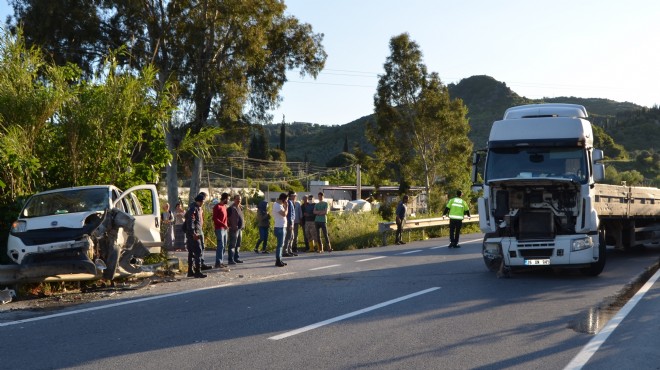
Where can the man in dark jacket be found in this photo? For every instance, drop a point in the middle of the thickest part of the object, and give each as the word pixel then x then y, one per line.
pixel 194 220
pixel 236 222
pixel 401 211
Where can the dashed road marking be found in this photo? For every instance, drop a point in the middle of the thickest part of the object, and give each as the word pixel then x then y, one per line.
pixel 324 267
pixel 371 259
pixel 349 315
pixel 409 252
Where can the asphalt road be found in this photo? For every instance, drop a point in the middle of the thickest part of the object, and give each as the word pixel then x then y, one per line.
pixel 416 306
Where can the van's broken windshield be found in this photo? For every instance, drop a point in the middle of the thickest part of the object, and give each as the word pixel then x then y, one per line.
pixel 67 201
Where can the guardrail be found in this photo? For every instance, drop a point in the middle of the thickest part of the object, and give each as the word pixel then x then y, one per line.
pixel 386 228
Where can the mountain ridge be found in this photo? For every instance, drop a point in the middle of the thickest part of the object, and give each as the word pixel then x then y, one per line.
pixel 486 100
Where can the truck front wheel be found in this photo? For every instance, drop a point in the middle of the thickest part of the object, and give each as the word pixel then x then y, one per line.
pixel 597 267
pixel 493 259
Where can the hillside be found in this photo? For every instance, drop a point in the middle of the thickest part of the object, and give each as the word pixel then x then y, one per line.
pixel 316 143
pixel 486 99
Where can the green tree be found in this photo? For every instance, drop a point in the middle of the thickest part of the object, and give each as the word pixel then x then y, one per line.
pixel 81 35
pixel 258 144
pixel 418 128
pixel 605 142
pixel 31 92
pixel 283 136
pixel 113 132
pixel 229 58
pixel 342 159
pixel 341 176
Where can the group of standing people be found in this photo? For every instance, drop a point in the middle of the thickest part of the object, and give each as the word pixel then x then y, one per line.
pixel 172 235
pixel 290 216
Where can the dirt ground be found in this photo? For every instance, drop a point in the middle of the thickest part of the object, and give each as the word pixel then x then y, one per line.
pixel 55 296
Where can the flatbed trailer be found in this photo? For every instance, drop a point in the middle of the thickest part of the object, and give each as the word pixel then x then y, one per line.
pixel 629 215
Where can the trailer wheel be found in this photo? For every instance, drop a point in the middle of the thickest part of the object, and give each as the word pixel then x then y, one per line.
pixel 492 260
pixel 597 267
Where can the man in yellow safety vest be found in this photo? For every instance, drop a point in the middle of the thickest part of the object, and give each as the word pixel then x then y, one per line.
pixel 457 209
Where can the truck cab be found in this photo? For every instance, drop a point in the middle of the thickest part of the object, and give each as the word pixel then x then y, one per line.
pixel 537 203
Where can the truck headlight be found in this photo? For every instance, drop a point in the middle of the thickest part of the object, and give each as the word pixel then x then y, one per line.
pixel 492 249
pixel 18 226
pixel 581 244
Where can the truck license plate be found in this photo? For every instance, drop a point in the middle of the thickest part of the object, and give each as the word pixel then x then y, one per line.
pixel 537 262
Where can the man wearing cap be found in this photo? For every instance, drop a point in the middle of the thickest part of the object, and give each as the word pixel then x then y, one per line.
pixel 194 220
pixel 289 241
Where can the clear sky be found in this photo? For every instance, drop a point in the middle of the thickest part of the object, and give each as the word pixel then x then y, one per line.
pixel 585 48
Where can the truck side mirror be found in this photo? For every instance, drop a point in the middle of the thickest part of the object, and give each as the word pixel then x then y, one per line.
pixel 599 168
pixel 597 155
pixel 599 172
pixel 476 158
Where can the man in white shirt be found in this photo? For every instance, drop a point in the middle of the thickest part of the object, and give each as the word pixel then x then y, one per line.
pixel 279 212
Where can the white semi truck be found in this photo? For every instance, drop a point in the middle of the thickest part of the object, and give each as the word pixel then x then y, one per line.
pixel 542 204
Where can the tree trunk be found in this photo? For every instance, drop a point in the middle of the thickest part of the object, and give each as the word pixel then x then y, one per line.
pixel 171 173
pixel 196 178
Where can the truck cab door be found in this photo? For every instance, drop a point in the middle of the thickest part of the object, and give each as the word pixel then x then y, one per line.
pixel 142 203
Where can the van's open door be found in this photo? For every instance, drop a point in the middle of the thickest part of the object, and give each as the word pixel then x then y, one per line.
pixel 142 203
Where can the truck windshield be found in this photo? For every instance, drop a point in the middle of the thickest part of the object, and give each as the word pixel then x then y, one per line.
pixel 504 163
pixel 67 201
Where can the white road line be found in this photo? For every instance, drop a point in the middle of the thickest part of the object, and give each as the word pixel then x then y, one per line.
pixel 98 308
pixel 349 315
pixel 409 252
pixel 269 277
pixel 588 350
pixel 467 241
pixel 323 267
pixel 370 259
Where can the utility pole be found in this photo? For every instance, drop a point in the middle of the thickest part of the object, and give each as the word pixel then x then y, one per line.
pixel 359 182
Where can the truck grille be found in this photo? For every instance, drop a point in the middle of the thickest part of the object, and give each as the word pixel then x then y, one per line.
pixel 550 244
pixel 536 224
pixel 536 253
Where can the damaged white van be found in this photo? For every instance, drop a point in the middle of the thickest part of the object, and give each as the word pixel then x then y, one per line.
pixel 85 233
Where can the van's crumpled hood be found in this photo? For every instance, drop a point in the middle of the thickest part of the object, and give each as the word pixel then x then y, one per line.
pixel 59 228
pixel 70 220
